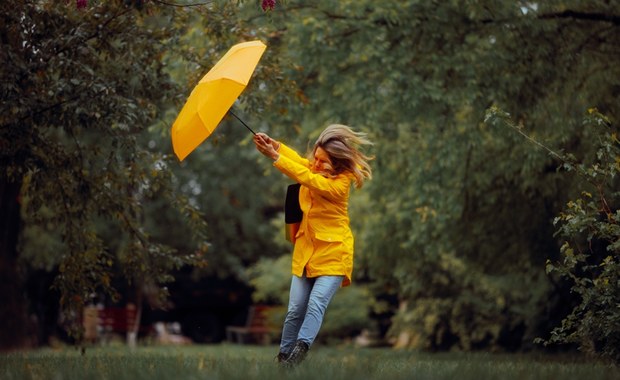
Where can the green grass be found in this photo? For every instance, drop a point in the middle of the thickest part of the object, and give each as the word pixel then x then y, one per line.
pixel 323 363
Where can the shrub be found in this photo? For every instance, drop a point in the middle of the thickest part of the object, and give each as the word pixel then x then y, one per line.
pixel 346 316
pixel 590 228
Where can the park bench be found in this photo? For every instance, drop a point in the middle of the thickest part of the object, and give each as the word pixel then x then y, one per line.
pixel 103 323
pixel 257 329
pixel 119 320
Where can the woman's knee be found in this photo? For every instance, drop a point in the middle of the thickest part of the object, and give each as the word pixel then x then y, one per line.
pixel 296 311
pixel 318 303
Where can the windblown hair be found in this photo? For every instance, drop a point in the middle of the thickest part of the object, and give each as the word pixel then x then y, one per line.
pixel 342 144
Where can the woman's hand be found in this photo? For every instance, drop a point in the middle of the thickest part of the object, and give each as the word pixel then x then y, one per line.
pixel 266 145
pixel 274 143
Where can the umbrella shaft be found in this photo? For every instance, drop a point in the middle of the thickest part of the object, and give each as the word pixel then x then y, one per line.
pixel 242 122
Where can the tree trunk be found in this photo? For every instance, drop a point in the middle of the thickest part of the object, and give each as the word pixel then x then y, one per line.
pixel 13 316
pixel 134 328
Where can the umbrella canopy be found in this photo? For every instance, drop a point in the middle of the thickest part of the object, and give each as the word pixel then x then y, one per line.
pixel 213 96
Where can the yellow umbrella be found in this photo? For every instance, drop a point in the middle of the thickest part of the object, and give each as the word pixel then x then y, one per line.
pixel 213 96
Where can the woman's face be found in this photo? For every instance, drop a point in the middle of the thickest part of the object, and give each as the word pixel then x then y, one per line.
pixel 322 163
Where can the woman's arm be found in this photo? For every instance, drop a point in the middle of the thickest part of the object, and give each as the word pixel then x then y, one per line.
pixel 262 141
pixel 298 169
pixel 290 153
pixel 332 188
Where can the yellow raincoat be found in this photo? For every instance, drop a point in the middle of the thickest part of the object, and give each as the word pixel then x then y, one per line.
pixel 324 241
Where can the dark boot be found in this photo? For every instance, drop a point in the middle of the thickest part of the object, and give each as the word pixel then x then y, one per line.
pixel 298 354
pixel 281 358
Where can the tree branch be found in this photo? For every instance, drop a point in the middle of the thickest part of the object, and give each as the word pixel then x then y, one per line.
pixel 614 19
pixel 181 5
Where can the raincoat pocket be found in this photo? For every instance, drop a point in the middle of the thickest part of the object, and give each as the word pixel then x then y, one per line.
pixel 329 237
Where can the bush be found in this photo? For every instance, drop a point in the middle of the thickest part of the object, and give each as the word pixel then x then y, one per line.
pixel 590 228
pixel 469 310
pixel 346 316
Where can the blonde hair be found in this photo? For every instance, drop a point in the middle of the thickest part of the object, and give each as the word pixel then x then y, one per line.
pixel 342 145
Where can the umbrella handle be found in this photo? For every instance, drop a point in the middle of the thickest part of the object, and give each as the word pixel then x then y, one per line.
pixel 242 122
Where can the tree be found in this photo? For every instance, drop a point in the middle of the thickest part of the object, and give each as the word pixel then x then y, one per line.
pixel 71 118
pixel 88 98
pixel 458 225
pixel 224 176
pixel 589 224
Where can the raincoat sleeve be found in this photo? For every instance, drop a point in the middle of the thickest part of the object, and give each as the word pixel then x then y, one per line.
pixel 290 153
pixel 331 188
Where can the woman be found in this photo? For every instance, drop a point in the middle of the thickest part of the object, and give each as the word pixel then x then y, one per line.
pixel 323 253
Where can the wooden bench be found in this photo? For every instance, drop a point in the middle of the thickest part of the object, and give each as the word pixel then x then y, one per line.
pixel 257 329
pixel 118 321
pixel 101 323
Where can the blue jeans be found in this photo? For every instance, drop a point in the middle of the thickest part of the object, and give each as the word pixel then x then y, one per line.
pixel 307 303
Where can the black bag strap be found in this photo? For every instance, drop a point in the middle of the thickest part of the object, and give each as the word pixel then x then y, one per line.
pixel 292 210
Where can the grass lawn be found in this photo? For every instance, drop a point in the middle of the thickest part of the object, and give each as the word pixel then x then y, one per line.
pixel 228 361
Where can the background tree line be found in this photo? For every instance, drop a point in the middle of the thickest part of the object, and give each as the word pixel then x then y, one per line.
pixel 453 235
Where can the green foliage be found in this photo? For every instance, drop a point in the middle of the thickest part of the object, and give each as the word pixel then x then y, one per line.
pixel 87 104
pixel 225 178
pixel 467 309
pixel 418 76
pixel 271 279
pixel 348 314
pixel 459 214
pixel 81 88
pixel 591 225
